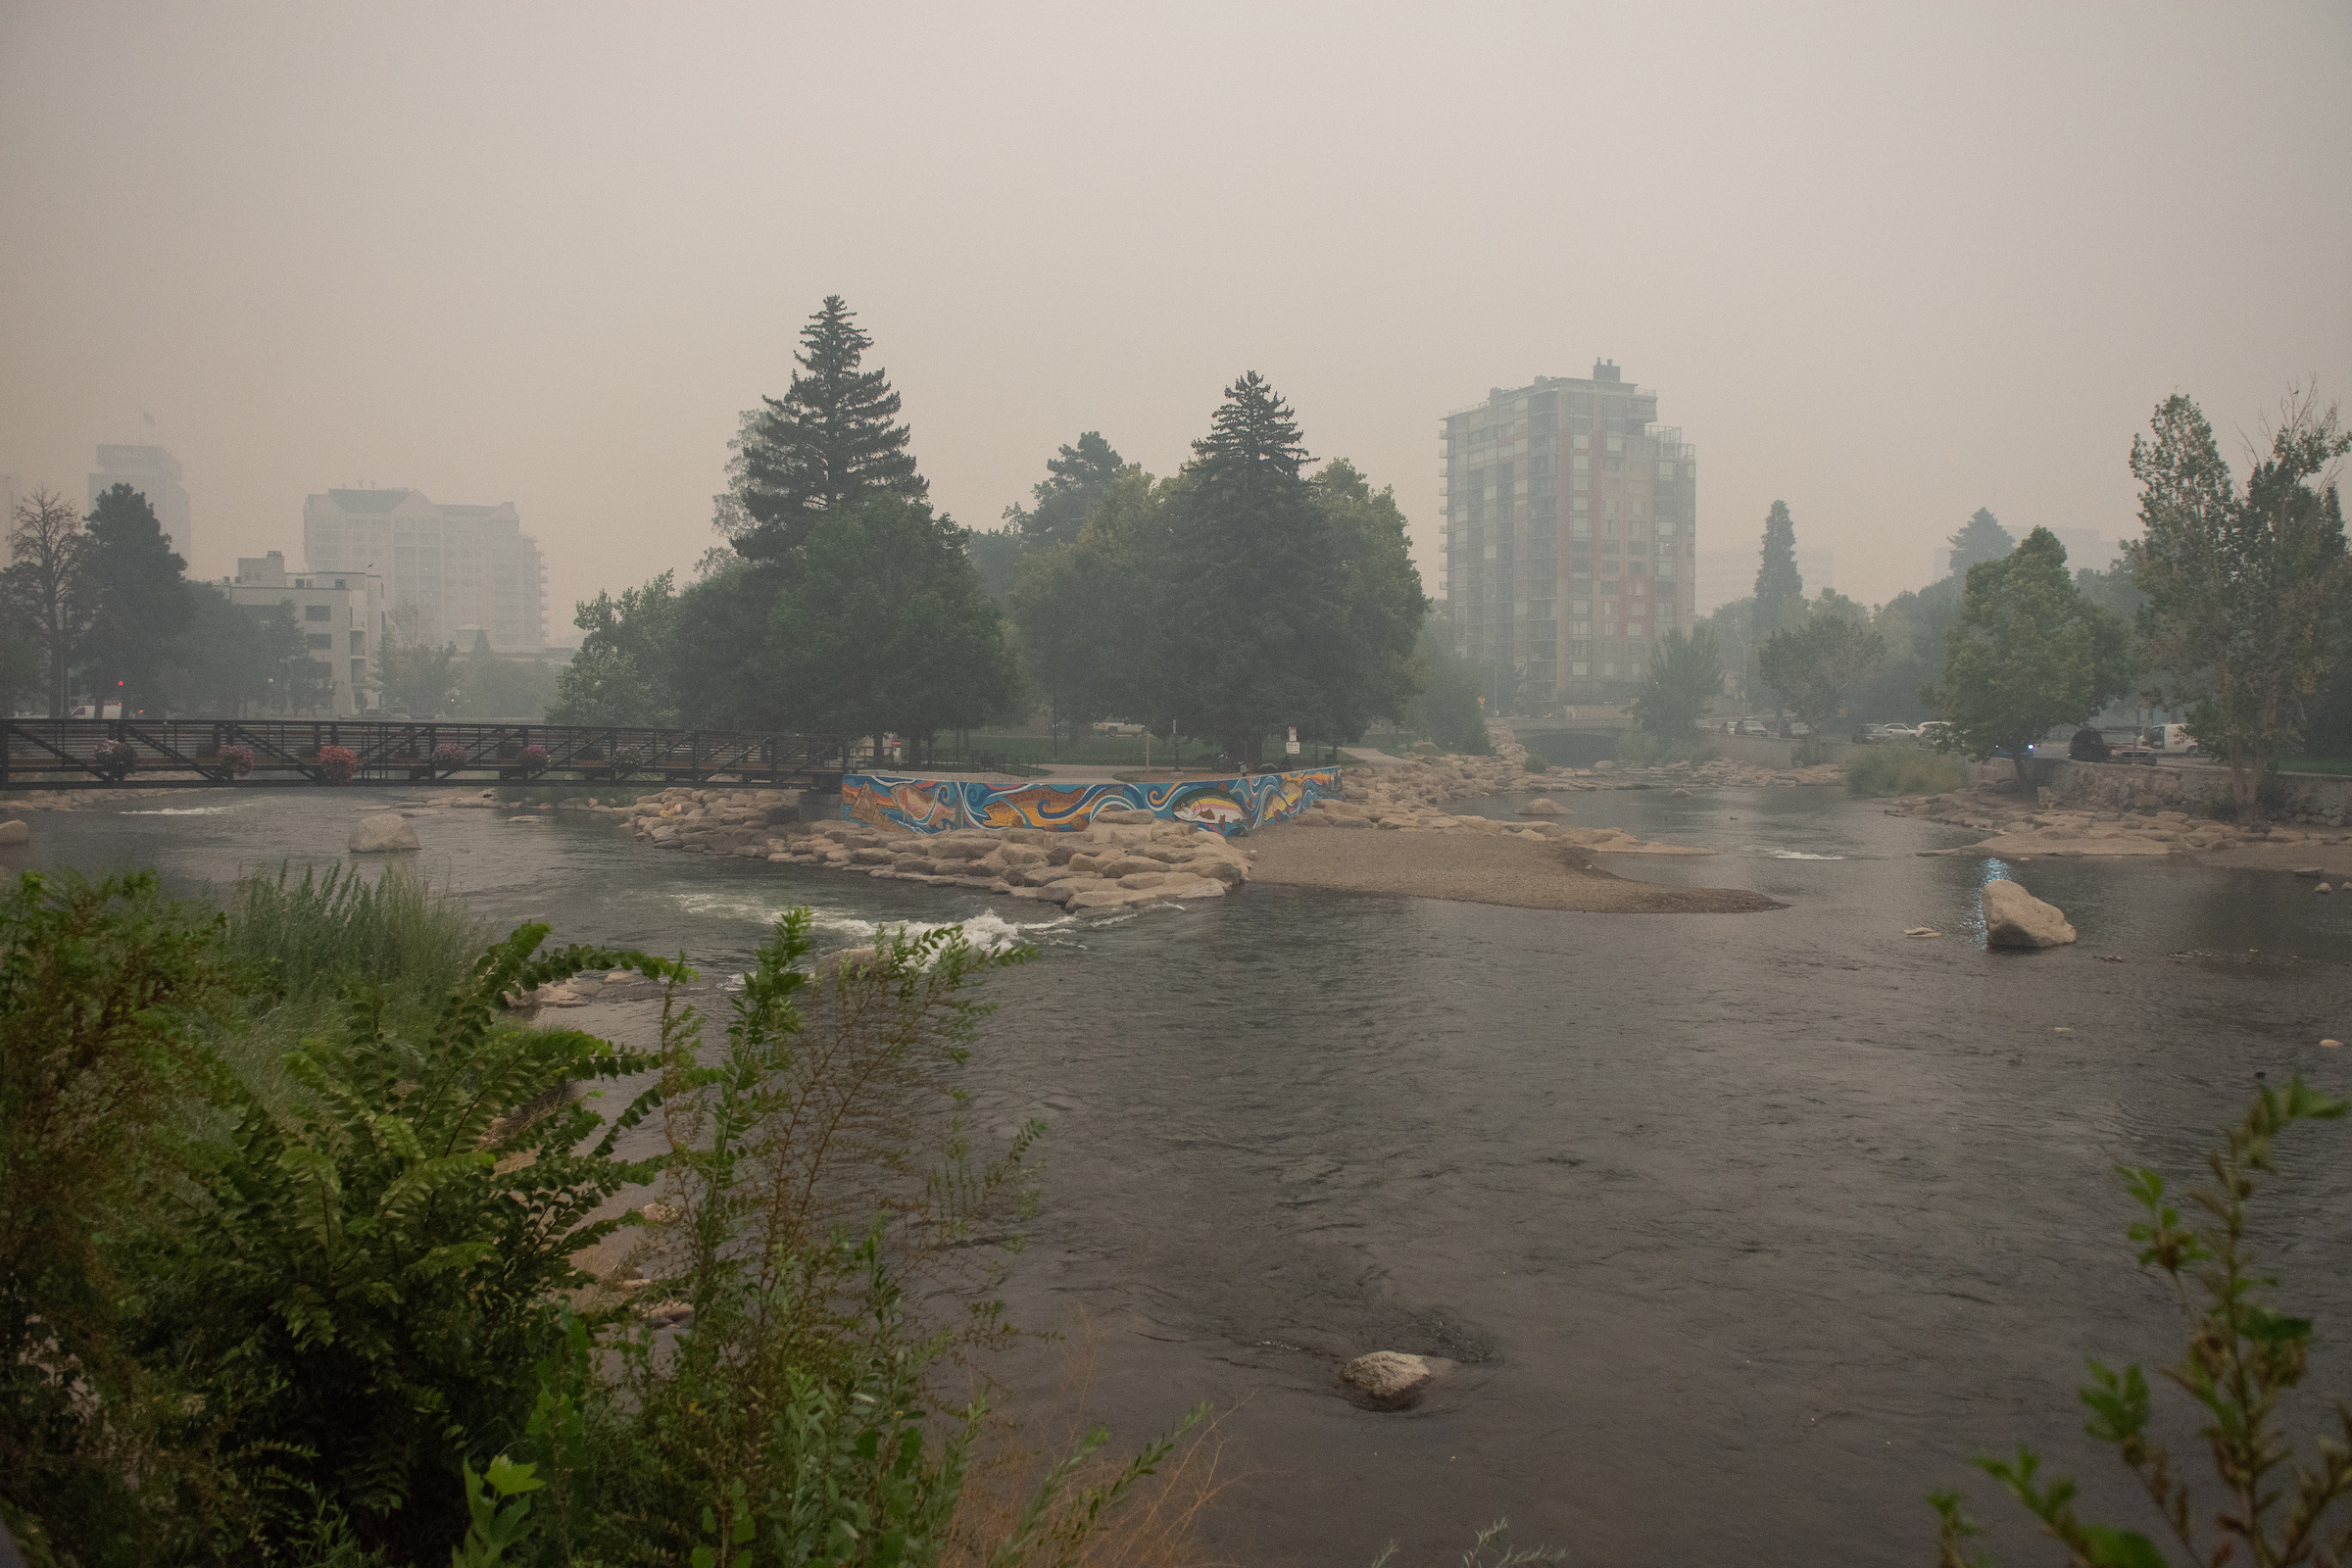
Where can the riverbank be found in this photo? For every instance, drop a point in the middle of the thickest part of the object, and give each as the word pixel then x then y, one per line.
pixel 1501 868
pixel 2022 828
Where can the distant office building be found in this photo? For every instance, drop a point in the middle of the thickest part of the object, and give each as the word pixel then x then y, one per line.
pixel 154 473
pixel 10 494
pixel 342 616
pixel 447 567
pixel 1571 534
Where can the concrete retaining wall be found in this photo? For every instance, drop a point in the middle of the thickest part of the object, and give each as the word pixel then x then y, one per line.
pixel 1222 804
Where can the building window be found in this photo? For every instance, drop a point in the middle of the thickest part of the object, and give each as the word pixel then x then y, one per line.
pixel 359 670
pixel 1616 443
pixel 317 611
pixel 1580 464
pixel 359 642
pixel 322 639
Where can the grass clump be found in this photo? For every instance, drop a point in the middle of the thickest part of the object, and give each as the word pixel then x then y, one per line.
pixel 1903 770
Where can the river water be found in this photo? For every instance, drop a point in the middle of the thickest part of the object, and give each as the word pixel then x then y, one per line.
pixel 1747 1228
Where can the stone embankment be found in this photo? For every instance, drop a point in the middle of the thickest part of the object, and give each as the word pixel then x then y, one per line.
pixel 1124 857
pixel 2048 826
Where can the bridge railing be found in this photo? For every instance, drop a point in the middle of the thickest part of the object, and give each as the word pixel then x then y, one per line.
pixel 90 753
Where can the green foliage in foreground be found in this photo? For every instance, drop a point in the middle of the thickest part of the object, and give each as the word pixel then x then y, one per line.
pixel 1902 770
pixel 392 1320
pixel 2243 1358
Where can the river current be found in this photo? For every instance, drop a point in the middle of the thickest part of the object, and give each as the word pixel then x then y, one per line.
pixel 1748 1230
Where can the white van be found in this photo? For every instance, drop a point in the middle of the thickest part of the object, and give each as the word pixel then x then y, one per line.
pixel 2174 740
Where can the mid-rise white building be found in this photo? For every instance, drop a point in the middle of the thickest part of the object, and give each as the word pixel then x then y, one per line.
pixel 445 567
pixel 342 614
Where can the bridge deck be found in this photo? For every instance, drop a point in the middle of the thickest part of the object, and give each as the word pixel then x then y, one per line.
pixel 205 753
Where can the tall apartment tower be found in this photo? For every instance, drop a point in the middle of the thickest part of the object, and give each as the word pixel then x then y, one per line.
pixel 154 473
pixel 1571 535
pixel 450 571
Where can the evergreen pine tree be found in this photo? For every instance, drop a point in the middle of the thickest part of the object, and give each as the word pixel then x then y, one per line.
pixel 1073 482
pixel 1980 539
pixel 828 442
pixel 133 597
pixel 1780 588
pixel 1250 592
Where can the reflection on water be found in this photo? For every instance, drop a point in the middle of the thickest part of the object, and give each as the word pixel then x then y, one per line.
pixel 1747 1227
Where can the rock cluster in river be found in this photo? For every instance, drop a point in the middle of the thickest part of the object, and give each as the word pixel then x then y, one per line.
pixel 1122 858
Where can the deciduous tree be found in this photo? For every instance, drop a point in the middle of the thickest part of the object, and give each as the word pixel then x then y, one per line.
pixel 886 629
pixel 621 674
pixel 1685 671
pixel 1817 667
pixel 830 441
pixel 46 543
pixel 2028 653
pixel 2243 588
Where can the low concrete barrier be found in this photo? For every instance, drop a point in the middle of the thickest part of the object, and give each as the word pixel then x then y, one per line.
pixel 1222 804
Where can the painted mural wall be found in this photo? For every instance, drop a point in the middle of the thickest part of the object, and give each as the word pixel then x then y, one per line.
pixel 937 805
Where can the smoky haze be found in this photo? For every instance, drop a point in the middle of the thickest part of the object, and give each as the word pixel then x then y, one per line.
pixel 1888 264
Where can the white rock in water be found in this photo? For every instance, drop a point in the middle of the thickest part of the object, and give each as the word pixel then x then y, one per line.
pixel 383 833
pixel 15 833
pixel 1541 805
pixel 2016 918
pixel 1392 1378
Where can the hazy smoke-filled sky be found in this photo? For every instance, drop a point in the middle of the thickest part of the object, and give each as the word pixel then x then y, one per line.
pixel 1889 264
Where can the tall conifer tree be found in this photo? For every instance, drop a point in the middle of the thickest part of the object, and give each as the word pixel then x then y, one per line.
pixel 1074 481
pixel 1246 578
pixel 133 596
pixel 1780 588
pixel 829 442
pixel 1980 539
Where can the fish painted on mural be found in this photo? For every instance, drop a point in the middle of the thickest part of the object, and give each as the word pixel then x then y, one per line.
pixel 1221 813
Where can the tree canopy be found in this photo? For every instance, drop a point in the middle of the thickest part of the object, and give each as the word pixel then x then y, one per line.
pixel 1980 539
pixel 2028 653
pixel 133 602
pixel 1780 587
pixel 2244 589
pixel 830 441
pixel 1685 671
pixel 1817 666
pixel 886 629
pixel 1075 479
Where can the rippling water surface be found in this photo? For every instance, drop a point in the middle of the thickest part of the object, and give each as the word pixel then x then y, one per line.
pixel 1748 1229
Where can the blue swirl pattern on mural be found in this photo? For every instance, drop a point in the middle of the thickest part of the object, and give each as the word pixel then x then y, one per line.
pixel 940 805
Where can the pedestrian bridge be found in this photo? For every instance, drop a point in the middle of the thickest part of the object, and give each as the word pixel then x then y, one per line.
pixel 73 754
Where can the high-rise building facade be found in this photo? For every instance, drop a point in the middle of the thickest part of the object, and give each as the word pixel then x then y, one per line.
pixel 451 570
pixel 154 473
pixel 1571 535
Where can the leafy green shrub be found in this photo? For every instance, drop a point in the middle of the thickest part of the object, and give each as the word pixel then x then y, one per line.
pixel 393 1248
pixel 2243 1360
pixel 1902 770
pixel 107 990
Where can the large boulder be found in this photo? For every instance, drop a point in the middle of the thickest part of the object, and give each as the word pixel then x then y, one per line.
pixel 1541 806
pixel 15 833
pixel 1391 1379
pixel 2016 918
pixel 385 833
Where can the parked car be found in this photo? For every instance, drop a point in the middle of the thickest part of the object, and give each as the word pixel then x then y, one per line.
pixel 1116 726
pixel 1754 726
pixel 1933 731
pixel 1897 732
pixel 1798 730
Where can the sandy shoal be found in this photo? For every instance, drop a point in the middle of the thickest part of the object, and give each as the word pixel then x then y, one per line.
pixel 1467 869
